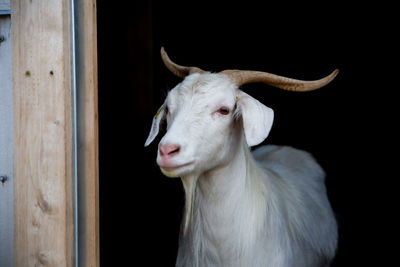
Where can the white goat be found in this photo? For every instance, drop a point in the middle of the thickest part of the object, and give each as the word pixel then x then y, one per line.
pixel 266 208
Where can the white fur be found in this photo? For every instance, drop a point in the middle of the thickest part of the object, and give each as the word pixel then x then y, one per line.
pixel 268 208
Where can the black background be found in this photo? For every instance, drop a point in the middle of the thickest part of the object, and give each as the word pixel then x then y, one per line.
pixel 140 210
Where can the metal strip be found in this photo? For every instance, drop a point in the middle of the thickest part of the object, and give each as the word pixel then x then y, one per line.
pixel 79 131
pixel 75 132
pixel 5 12
pixel 80 109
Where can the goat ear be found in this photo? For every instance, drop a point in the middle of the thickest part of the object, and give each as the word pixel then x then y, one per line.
pixel 155 125
pixel 257 118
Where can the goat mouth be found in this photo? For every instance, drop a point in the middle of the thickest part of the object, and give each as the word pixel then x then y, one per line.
pixel 176 167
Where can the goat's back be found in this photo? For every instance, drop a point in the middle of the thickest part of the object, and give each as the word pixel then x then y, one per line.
pixel 300 180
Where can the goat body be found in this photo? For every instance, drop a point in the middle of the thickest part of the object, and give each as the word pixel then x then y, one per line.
pixel 266 210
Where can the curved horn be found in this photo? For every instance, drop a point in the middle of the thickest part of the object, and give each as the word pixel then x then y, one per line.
pixel 178 70
pixel 241 77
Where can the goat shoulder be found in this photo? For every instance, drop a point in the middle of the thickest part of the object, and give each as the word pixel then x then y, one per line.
pixel 298 178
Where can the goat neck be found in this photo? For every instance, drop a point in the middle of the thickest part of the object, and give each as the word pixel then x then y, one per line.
pixel 227 205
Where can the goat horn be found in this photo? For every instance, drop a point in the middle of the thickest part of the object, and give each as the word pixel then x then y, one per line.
pixel 241 77
pixel 178 70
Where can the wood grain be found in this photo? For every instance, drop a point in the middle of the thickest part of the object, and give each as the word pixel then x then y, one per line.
pixel 88 134
pixel 43 199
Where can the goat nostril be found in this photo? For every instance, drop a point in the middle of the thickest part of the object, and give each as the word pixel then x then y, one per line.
pixel 174 151
pixel 169 150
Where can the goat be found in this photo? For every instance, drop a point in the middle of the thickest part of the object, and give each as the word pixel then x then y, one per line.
pixel 268 207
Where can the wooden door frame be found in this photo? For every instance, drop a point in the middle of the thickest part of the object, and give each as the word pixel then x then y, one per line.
pixel 54 58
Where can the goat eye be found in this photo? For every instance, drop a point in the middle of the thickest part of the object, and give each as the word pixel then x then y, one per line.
pixel 224 111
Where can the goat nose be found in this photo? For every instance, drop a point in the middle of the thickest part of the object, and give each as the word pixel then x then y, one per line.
pixel 169 150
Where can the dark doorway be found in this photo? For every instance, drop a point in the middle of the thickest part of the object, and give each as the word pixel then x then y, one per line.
pixel 140 208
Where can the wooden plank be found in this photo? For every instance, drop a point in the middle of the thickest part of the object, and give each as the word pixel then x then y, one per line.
pixel 43 199
pixel 88 169
pixel 6 147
